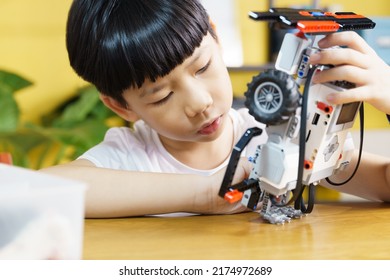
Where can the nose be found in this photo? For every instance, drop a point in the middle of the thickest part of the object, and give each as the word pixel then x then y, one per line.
pixel 198 100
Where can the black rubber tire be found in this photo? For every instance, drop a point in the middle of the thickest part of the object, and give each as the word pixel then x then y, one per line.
pixel 272 97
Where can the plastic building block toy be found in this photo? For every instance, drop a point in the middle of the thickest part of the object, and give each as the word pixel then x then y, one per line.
pixel 308 139
pixel 313 21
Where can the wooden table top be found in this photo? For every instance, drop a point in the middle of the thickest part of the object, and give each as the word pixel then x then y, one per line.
pixel 338 230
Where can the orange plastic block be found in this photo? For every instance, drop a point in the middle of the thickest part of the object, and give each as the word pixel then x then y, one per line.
pixel 305 13
pixel 233 196
pixel 317 26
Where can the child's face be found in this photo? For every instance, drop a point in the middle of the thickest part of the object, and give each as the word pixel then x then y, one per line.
pixel 191 103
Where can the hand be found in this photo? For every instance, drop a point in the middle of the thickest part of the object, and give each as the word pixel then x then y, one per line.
pixel 359 64
pixel 216 204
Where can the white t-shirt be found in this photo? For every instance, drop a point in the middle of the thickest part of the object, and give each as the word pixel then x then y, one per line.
pixel 140 148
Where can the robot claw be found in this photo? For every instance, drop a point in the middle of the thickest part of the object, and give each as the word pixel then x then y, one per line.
pixel 278 214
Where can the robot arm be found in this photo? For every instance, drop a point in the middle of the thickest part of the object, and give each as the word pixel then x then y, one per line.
pixel 235 193
pixel 308 139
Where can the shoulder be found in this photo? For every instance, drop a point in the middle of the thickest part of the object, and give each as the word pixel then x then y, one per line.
pixel 123 148
pixel 139 135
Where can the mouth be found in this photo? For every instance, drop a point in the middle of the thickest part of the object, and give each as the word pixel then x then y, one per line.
pixel 210 127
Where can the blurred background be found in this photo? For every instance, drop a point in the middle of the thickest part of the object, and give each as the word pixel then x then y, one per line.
pixel 48 115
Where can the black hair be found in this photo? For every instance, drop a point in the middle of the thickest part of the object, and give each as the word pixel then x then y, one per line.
pixel 118 44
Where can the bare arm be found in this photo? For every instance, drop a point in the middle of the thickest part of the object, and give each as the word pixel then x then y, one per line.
pixel 118 193
pixel 371 181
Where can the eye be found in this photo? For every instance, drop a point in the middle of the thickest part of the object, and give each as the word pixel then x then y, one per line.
pixel 164 100
pixel 203 69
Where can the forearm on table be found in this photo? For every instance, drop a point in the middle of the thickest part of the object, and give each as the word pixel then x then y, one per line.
pixel 117 193
pixel 371 181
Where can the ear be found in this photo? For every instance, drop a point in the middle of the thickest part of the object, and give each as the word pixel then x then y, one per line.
pixel 213 26
pixel 124 112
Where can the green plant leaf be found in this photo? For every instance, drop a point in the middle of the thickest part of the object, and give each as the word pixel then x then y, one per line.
pixel 80 109
pixel 101 112
pixel 9 111
pixel 81 136
pixel 79 124
pixel 19 143
pixel 24 138
pixel 12 81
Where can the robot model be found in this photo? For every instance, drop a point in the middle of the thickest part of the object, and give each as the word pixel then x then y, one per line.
pixel 308 139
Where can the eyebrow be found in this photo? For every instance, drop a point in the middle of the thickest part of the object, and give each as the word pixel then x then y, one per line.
pixel 198 55
pixel 151 91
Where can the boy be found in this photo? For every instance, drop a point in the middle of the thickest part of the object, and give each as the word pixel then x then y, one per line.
pixel 158 64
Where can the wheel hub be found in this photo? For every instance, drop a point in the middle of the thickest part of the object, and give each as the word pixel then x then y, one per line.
pixel 269 97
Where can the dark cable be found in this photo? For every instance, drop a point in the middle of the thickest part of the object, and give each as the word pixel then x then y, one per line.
pixel 361 117
pixel 299 203
pixel 302 135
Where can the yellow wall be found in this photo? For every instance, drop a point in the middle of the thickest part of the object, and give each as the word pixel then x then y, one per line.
pixel 32 43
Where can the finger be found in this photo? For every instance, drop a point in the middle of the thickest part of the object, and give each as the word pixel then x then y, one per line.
pixel 360 94
pixel 348 73
pixel 347 96
pixel 341 56
pixel 349 39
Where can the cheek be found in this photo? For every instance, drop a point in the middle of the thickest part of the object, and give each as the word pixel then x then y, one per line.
pixel 172 129
pixel 222 86
pixel 164 118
